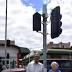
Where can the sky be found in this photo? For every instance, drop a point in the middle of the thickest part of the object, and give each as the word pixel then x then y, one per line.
pixel 19 25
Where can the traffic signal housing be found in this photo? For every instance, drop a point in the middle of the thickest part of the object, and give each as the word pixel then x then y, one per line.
pixel 37 22
pixel 8 42
pixel 56 22
pixel 8 56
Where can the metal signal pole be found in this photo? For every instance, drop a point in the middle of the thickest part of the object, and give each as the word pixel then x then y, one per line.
pixel 44 36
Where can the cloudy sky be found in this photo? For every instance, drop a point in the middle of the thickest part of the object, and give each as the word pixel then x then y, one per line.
pixel 20 21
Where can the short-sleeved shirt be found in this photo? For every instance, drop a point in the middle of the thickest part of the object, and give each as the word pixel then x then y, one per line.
pixel 33 67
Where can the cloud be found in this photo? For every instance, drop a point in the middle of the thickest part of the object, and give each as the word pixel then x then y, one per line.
pixel 19 24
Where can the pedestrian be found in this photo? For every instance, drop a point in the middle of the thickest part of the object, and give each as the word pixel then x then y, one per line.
pixel 54 67
pixel 35 65
pixel 4 67
pixel 1 67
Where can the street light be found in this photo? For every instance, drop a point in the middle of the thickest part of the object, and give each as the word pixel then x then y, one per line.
pixel 6 33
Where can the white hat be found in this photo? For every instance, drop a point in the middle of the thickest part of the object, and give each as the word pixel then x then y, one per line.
pixel 54 63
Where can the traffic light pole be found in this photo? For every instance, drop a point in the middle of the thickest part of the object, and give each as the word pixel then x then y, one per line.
pixel 44 37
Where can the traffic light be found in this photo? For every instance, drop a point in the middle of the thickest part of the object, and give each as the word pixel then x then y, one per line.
pixel 0 59
pixel 55 22
pixel 8 42
pixel 1 67
pixel 37 22
pixel 8 56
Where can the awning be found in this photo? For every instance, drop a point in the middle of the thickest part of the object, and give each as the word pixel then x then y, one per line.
pixel 59 51
pixel 24 51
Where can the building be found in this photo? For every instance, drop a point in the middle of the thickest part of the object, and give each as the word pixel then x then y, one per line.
pixel 11 49
pixel 58 54
pixel 59 45
pixel 14 52
pixel 56 51
pixel 59 51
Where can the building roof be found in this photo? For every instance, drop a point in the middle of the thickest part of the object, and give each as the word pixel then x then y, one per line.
pixel 23 50
pixel 59 45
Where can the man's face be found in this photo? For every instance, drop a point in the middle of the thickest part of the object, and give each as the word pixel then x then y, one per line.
pixel 36 58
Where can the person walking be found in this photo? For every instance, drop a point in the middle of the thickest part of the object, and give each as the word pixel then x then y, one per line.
pixel 35 65
pixel 1 67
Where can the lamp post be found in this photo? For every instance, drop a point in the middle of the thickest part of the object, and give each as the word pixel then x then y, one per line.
pixel 6 33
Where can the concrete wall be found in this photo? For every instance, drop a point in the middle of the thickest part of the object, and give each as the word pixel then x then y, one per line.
pixel 11 50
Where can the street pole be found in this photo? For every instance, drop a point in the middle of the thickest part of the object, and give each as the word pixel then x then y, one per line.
pixel 6 34
pixel 44 36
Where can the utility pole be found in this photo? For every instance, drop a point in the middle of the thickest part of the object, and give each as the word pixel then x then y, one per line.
pixel 6 34
pixel 44 36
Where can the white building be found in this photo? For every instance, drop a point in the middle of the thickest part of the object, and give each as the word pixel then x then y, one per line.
pixel 12 50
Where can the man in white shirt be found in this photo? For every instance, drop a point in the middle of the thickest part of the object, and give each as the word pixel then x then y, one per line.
pixel 35 65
